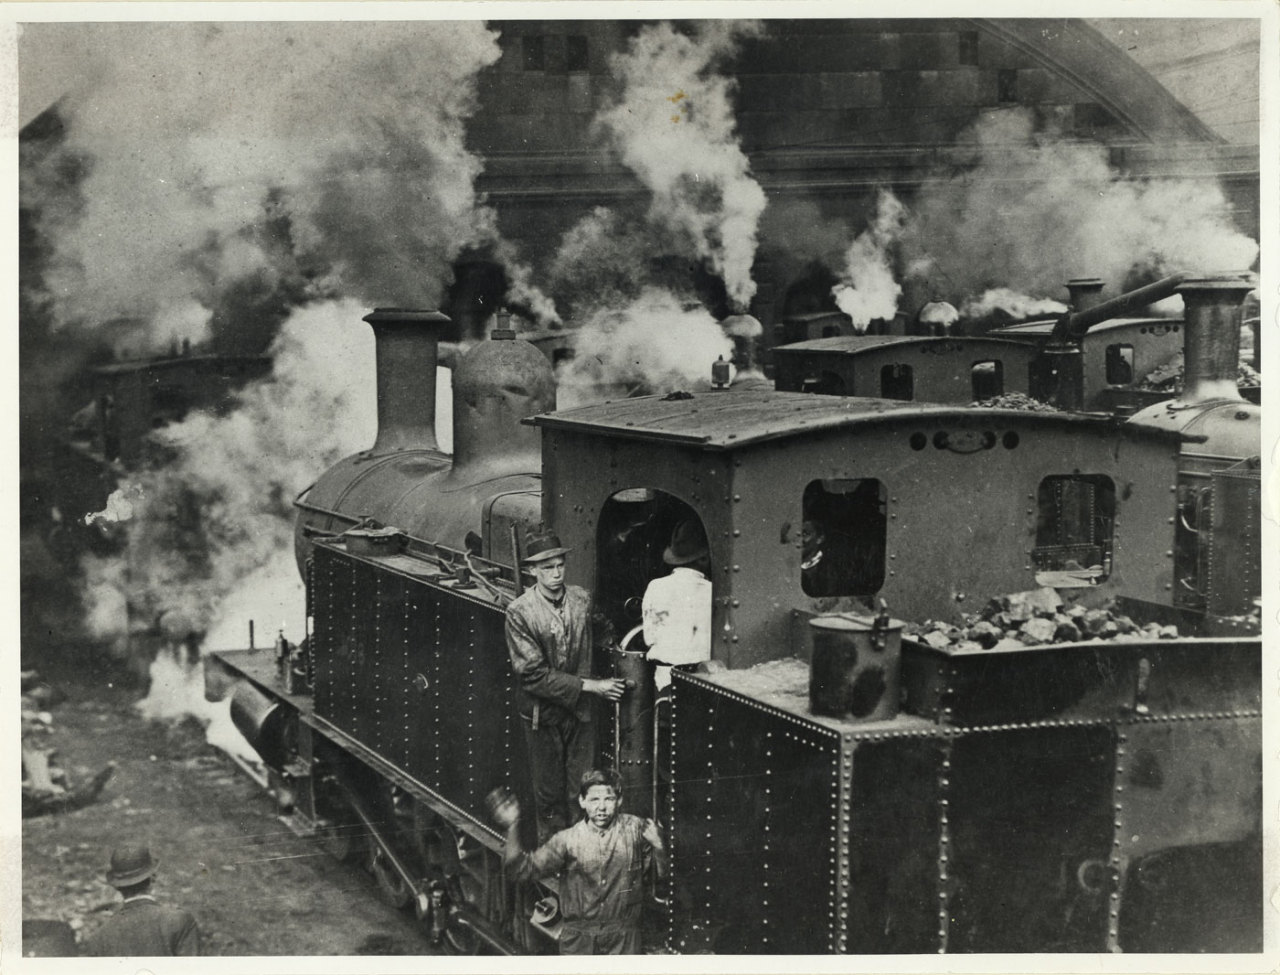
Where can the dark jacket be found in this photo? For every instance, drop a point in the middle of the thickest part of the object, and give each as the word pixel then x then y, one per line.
pixel 144 928
pixel 551 652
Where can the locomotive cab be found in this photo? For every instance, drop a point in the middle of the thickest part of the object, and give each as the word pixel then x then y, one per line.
pixel 904 494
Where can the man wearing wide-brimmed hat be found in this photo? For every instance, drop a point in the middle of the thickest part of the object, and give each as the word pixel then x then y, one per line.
pixel 142 927
pixel 676 609
pixel 549 640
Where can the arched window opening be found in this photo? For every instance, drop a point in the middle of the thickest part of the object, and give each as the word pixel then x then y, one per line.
pixel 1074 526
pixel 987 379
pixel 843 537
pixel 897 382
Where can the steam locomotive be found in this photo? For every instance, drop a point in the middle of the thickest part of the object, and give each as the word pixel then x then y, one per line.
pixel 1094 795
pixel 1110 355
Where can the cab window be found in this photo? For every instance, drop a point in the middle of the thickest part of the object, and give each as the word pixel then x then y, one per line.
pixel 987 379
pixel 896 382
pixel 1119 365
pixel 1074 527
pixel 842 537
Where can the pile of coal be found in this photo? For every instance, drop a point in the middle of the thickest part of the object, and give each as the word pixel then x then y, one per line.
pixel 1168 376
pixel 1016 401
pixel 1034 618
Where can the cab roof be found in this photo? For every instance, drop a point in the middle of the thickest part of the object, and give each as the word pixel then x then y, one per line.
pixel 1046 326
pixel 717 420
pixel 856 344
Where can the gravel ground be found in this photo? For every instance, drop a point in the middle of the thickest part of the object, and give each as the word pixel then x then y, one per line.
pixel 255 887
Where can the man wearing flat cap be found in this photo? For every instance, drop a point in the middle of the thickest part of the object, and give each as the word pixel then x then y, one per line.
pixel 676 609
pixel 142 927
pixel 549 639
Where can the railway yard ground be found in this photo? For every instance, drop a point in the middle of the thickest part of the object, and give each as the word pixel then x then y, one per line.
pixel 255 887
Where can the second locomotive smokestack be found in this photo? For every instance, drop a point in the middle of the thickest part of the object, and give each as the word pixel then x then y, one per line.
pixel 1085 293
pixel 1211 344
pixel 407 354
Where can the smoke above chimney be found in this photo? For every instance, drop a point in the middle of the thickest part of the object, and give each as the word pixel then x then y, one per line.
pixel 296 160
pixel 1036 207
pixel 673 126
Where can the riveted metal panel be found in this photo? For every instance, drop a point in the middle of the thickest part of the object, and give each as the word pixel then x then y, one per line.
pixel 418 674
pixel 1196 677
pixel 323 611
pixel 1075 683
pixel 341 642
pixel 361 659
pixel 894 820
pixel 1063 682
pixel 394 677
pixel 1187 850
pixel 429 696
pixel 456 717
pixel 1029 834
pixel 1234 558
pixel 755 830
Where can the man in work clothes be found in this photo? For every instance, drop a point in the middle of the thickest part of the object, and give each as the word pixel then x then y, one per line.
pixel 601 862
pixel 549 639
pixel 676 609
pixel 142 927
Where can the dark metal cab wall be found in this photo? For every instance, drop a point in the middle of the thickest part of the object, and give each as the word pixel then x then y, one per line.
pixel 961 498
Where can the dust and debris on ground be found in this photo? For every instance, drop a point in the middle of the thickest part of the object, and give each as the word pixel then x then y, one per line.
pixel 255 887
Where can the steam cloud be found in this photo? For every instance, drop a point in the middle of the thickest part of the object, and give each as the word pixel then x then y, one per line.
pixel 1010 302
pixel 653 343
pixel 869 290
pixel 295 164
pixel 212 526
pixel 1037 210
pixel 673 125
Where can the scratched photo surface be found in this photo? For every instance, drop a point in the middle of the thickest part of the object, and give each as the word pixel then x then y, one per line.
pixel 688 485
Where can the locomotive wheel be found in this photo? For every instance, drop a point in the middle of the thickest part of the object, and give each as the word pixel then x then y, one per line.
pixel 461 941
pixel 436 844
pixel 344 837
pixel 345 843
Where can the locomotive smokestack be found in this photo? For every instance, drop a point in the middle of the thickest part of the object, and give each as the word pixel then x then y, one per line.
pixel 407 354
pixel 745 330
pixel 1211 343
pixel 1085 293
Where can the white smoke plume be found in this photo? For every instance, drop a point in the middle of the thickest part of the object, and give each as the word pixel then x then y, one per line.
pixel 654 344
pixel 177 690
pixel 521 291
pixel 601 262
pixel 869 289
pixel 673 126
pixel 309 160
pixel 206 524
pixel 1038 210
pixel 1012 303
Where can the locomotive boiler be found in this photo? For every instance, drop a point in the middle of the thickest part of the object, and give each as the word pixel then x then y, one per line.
pixel 1082 796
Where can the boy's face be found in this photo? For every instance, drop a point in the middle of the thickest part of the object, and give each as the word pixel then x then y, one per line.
pixel 550 573
pixel 601 805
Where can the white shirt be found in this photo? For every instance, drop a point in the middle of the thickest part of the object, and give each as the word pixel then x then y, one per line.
pixel 676 611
